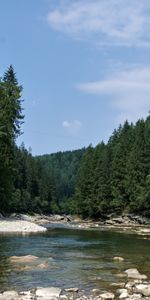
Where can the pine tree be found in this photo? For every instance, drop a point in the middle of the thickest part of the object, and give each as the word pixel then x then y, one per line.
pixel 10 123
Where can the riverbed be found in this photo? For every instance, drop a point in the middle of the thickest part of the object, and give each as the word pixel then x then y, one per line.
pixel 69 257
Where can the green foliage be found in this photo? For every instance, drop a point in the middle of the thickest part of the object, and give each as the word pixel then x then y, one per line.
pixel 115 177
pixel 10 121
pixel 24 185
pixel 92 182
pixel 63 168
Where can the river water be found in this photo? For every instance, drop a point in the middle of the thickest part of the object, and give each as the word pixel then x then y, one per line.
pixel 71 258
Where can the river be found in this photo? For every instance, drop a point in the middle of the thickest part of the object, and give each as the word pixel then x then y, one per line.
pixel 73 258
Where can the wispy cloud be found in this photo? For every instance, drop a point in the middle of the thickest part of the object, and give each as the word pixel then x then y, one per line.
pixel 109 22
pixel 128 90
pixel 72 127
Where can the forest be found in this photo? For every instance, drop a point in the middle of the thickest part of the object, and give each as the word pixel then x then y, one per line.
pixel 92 182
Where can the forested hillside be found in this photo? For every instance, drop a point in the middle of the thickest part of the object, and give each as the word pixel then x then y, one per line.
pixel 63 168
pixel 91 182
pixel 116 177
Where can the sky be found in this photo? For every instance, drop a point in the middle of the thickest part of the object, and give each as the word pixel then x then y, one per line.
pixel 84 66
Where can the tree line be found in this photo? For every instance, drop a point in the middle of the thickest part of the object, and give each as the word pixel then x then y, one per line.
pixel 113 177
pixel 24 185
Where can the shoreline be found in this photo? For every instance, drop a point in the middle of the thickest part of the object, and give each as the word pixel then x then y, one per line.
pixel 20 226
pixel 23 223
pixel 132 289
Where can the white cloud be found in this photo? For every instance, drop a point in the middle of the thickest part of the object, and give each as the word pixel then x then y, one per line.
pixel 128 90
pixel 72 127
pixel 110 22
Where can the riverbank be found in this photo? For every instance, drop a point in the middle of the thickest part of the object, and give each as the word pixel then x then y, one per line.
pixel 132 289
pixel 37 223
pixel 16 226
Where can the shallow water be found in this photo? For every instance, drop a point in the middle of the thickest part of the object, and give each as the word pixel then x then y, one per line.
pixel 73 257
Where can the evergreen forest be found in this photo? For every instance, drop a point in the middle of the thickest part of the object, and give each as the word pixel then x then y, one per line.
pixel 92 182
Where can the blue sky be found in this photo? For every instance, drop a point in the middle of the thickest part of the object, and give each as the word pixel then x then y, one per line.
pixel 84 66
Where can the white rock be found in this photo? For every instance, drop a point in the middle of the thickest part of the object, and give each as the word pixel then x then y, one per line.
pixel 107 296
pixel 9 295
pixel 63 297
pixel 20 226
pixel 72 290
pixel 124 294
pixel 120 291
pixel 130 285
pixel 118 258
pixel 144 289
pixel 134 297
pixel 48 293
pixel 134 273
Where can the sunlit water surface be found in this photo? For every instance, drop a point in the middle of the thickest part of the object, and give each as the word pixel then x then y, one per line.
pixel 73 258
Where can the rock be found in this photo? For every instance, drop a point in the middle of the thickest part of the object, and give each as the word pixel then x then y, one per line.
pixel 43 266
pixel 48 293
pixel 124 294
pixel 144 289
pixel 134 297
pixel 63 297
pixel 23 259
pixel 20 226
pixel 130 285
pixel 72 290
pixel 107 295
pixel 118 258
pixel 9 295
pixel 134 273
pixel 96 291
pixel 120 291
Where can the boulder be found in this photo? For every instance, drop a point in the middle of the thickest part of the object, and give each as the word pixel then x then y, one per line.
pixel 144 289
pixel 134 273
pixel 124 294
pixel 107 296
pixel 23 259
pixel 9 295
pixel 48 293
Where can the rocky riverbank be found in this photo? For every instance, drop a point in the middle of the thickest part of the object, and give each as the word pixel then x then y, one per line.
pixel 37 223
pixel 136 287
pixel 16 226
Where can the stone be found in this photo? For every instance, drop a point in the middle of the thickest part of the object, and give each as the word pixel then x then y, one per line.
pixel 48 293
pixel 9 295
pixel 144 289
pixel 124 294
pixel 72 290
pixel 134 273
pixel 120 291
pixel 130 285
pixel 43 266
pixel 96 291
pixel 107 295
pixel 134 297
pixel 63 297
pixel 25 258
pixel 118 258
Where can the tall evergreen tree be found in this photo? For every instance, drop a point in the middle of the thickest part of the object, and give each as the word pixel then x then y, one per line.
pixel 10 122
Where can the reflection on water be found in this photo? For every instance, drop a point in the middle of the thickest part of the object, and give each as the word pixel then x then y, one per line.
pixel 82 258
